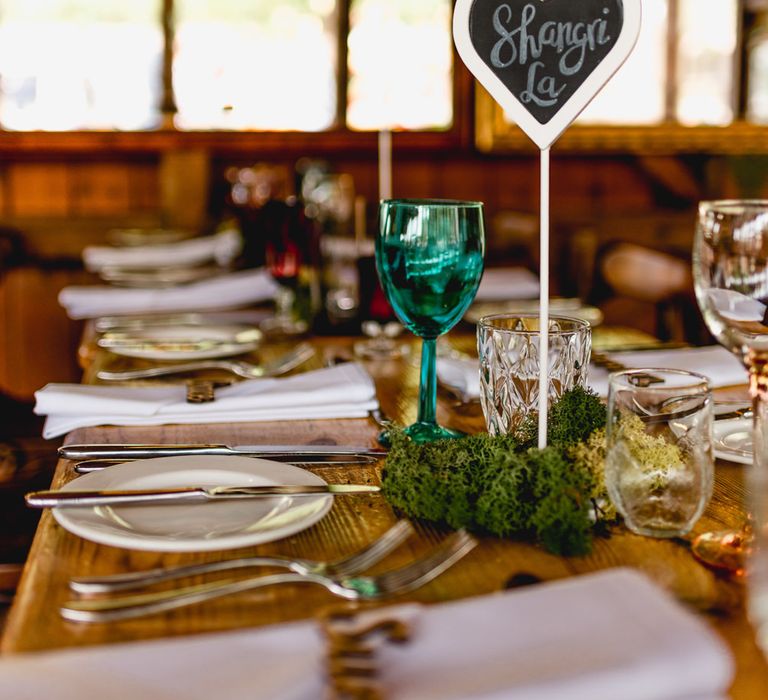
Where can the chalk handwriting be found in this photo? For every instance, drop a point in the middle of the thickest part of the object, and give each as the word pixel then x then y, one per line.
pixel 523 45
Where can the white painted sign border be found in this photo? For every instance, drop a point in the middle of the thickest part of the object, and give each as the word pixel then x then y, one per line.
pixel 544 135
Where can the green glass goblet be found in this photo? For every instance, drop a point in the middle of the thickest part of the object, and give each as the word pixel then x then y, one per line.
pixel 429 257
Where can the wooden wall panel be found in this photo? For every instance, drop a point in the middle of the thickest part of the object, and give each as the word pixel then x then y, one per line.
pixel 3 191
pixel 143 183
pixel 39 189
pixel 515 185
pixel 6 333
pixel 38 343
pixel 184 184
pixel 100 189
pixel 66 189
pixel 464 179
pixel 415 179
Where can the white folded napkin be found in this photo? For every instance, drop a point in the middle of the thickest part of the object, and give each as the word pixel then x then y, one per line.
pixel 343 391
pixel 714 361
pixel 613 634
pixel 461 376
pixel 222 247
pixel 503 283
pixel 736 306
pixel 229 290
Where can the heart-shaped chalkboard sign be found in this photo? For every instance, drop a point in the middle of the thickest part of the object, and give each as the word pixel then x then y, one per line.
pixel 544 60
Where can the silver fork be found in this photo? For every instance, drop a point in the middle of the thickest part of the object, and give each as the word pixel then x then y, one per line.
pixel 390 583
pixel 347 566
pixel 280 365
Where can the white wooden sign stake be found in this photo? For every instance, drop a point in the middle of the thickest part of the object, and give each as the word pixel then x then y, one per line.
pixel 543 61
pixel 543 297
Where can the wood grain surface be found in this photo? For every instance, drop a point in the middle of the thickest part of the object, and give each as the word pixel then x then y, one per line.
pixel 56 556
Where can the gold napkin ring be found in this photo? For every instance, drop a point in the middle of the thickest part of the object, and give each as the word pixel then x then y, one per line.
pixel 200 391
pixel 352 666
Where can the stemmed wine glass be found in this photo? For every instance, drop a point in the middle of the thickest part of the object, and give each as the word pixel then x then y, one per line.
pixel 730 270
pixel 429 257
pixel 289 247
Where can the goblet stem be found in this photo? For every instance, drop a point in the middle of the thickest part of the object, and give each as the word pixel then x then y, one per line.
pixel 735 550
pixel 757 549
pixel 428 382
pixel 426 429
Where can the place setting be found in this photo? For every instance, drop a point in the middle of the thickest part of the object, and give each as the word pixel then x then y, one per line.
pixel 158 259
pixel 230 290
pixel 192 503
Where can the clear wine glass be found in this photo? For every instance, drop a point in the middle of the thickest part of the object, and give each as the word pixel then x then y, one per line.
pixel 429 257
pixel 730 270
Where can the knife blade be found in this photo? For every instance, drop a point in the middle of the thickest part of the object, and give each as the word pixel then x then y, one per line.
pixel 277 452
pixel 96 465
pixel 79 499
pixel 745 412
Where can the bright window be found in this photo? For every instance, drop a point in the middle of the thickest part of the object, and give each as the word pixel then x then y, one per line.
pixel 400 64
pixel 255 64
pixel 637 92
pixel 706 62
pixel 277 65
pixel 74 64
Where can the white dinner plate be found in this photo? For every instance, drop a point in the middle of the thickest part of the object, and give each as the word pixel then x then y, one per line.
pixel 199 527
pixel 732 440
pixel 176 342
pixel 159 278
pixel 130 237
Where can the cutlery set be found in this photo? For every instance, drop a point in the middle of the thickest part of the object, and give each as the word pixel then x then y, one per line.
pixel 93 458
pixel 298 459
pixel 280 365
pixel 343 578
pixel 159 277
pixel 127 452
pixel 346 566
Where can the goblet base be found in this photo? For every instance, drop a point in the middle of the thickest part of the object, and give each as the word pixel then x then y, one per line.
pixel 380 349
pixel 423 432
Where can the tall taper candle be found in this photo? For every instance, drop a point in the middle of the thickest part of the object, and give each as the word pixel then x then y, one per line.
pixel 385 164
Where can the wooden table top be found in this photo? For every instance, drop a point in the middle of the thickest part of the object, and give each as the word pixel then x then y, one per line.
pixel 56 555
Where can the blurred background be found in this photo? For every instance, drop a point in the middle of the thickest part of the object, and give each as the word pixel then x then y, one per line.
pixel 195 114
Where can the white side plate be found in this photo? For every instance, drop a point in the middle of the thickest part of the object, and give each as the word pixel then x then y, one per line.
pixel 195 528
pixel 178 342
pixel 732 440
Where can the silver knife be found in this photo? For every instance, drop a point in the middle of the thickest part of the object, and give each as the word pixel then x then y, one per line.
pixel 80 499
pixel 283 452
pixel 745 412
pixel 87 466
